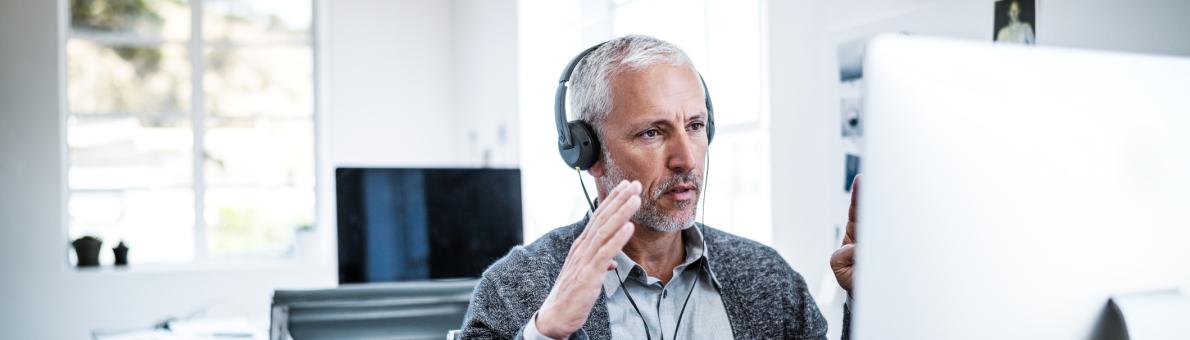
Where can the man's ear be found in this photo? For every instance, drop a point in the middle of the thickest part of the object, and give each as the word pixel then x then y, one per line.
pixel 596 170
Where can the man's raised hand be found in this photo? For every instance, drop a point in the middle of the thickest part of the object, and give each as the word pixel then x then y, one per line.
pixel 580 280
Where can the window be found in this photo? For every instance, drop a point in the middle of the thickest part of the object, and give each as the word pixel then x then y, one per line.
pixel 190 126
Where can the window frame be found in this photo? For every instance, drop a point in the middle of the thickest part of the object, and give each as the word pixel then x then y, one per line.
pixel 196 46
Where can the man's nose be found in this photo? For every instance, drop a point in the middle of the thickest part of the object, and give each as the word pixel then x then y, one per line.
pixel 681 153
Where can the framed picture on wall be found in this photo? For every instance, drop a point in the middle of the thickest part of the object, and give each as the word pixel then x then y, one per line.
pixel 1016 21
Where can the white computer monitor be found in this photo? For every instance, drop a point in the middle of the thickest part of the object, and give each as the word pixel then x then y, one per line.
pixel 1010 190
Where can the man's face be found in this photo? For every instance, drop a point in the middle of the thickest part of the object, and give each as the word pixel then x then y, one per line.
pixel 656 133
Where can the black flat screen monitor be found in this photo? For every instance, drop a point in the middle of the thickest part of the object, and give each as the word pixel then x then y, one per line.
pixel 411 224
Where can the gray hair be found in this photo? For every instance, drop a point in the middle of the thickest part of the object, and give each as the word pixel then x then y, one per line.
pixel 590 85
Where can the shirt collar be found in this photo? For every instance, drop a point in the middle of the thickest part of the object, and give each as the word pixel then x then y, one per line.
pixel 696 251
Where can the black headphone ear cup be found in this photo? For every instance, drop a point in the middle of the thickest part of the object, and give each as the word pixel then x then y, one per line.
pixel 584 149
pixel 711 129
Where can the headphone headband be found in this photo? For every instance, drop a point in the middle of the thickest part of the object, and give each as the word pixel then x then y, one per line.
pixel 560 96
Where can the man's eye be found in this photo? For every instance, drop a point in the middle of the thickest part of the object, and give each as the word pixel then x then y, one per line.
pixel 650 133
pixel 697 126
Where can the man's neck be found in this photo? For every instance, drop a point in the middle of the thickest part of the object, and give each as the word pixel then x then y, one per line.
pixel 658 252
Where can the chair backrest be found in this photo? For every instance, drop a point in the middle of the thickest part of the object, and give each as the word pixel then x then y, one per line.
pixel 421 310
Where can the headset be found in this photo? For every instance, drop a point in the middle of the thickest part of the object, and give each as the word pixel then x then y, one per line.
pixel 577 142
pixel 580 149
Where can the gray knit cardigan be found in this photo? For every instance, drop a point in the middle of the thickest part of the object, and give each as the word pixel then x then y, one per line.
pixel 764 297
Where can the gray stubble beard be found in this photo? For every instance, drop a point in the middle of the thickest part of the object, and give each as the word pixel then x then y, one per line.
pixel 650 213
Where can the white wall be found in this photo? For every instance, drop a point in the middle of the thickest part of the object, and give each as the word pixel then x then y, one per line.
pixel 389 95
pixel 422 82
pixel 807 156
pixel 390 79
pixel 486 73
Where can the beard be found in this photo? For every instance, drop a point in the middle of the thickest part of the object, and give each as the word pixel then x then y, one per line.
pixel 651 214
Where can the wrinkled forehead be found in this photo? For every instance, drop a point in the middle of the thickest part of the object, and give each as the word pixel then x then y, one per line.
pixel 657 91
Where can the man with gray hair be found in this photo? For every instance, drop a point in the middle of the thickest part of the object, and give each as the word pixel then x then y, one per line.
pixel 639 266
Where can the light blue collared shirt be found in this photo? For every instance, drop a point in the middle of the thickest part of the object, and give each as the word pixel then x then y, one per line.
pixel 693 286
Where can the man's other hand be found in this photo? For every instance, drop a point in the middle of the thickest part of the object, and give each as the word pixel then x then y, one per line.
pixel 843 260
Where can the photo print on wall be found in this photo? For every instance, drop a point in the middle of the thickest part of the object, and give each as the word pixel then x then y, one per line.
pixel 1016 22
